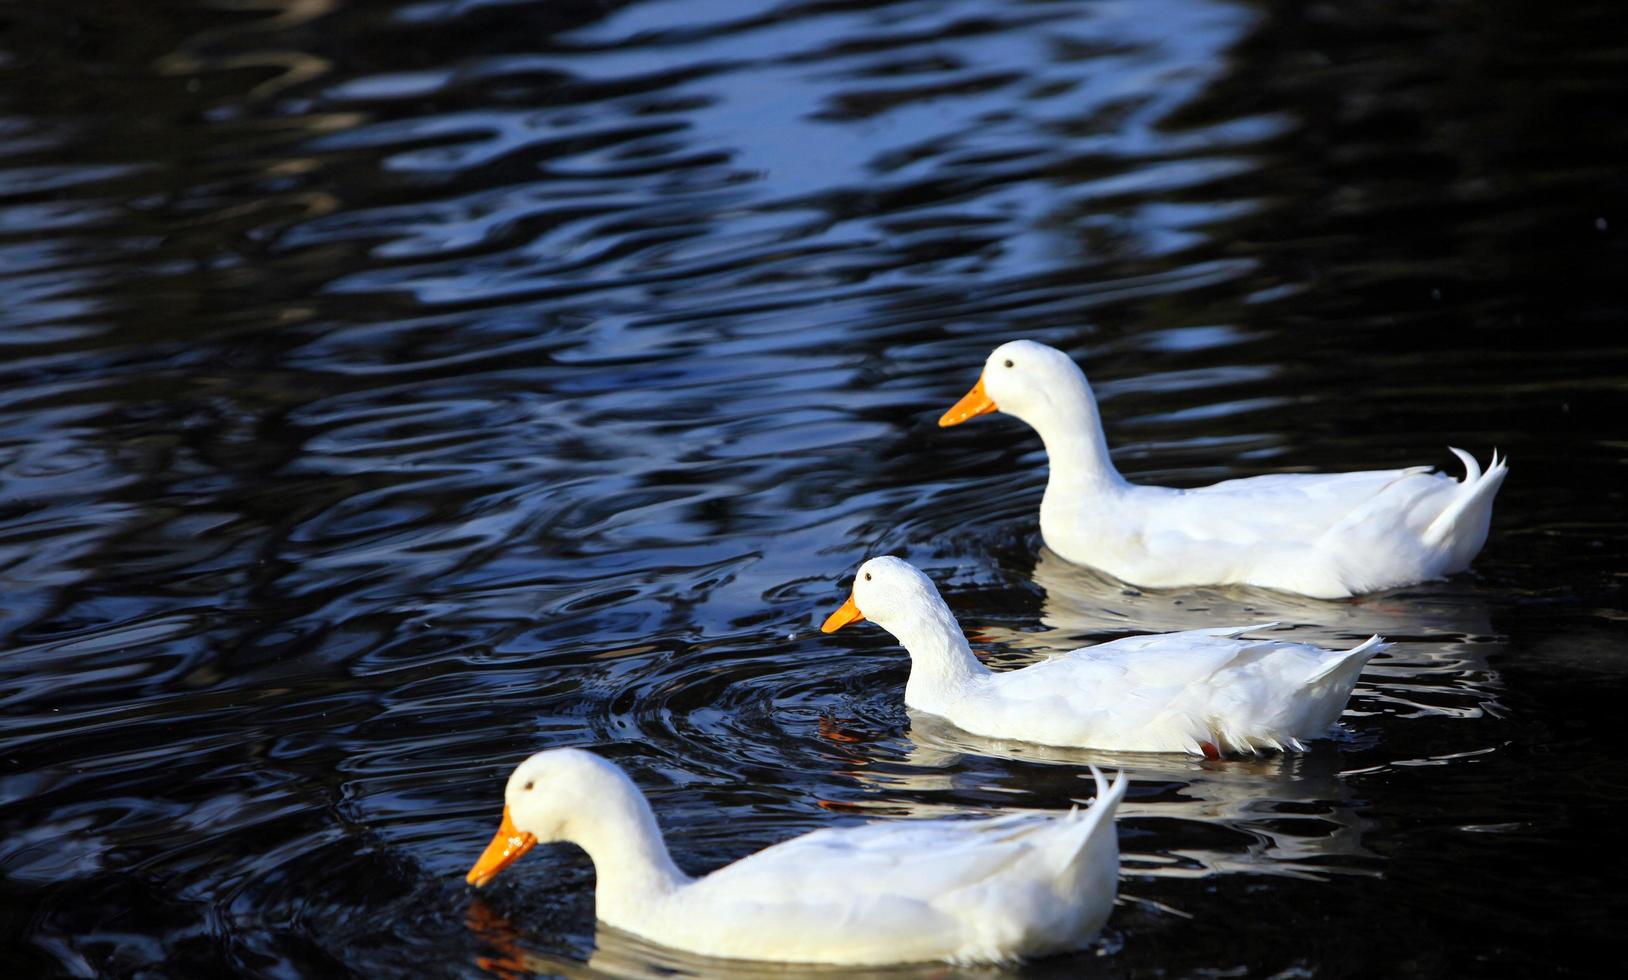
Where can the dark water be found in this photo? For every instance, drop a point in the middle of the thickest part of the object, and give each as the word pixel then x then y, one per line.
pixel 387 392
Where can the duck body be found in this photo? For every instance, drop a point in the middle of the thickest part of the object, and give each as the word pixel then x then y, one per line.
pixel 1325 535
pixel 902 891
pixel 1203 692
pixel 1172 692
pixel 964 891
pixel 1329 536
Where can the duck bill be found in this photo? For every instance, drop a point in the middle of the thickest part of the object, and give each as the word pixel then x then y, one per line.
pixel 849 613
pixel 505 849
pixel 973 403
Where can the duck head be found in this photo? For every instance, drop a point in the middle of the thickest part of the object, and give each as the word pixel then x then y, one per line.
pixel 1025 379
pixel 887 591
pixel 895 596
pixel 544 796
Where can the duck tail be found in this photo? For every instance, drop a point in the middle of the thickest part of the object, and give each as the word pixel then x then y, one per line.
pixel 1461 527
pixel 1109 794
pixel 1344 668
pixel 1329 687
pixel 1092 844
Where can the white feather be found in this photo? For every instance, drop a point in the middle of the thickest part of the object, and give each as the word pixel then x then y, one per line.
pixel 1329 535
pixel 1167 692
pixel 899 891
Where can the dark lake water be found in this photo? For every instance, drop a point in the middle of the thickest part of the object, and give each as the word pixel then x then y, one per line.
pixel 390 391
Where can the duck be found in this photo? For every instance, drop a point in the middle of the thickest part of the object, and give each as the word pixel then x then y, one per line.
pixel 989 890
pixel 1324 535
pixel 1209 692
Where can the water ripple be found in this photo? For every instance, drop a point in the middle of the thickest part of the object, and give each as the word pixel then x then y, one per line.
pixel 387 393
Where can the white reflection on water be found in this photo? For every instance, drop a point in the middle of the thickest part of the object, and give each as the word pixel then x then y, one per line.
pixel 621 954
pixel 1440 633
pixel 1081 600
pixel 1283 814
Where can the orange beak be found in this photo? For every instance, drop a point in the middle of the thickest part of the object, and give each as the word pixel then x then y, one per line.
pixel 974 402
pixel 504 850
pixel 849 613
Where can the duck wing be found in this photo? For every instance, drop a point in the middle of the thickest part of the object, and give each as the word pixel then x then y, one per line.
pixel 1176 691
pixel 1130 694
pixel 1296 507
pixel 912 860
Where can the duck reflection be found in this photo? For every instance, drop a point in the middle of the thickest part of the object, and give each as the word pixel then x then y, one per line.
pixel 1081 602
pixel 1284 814
pixel 506 953
pixel 1440 633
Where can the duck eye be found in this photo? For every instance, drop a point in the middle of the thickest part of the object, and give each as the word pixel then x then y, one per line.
pixel 867 576
pixel 1008 362
pixel 529 784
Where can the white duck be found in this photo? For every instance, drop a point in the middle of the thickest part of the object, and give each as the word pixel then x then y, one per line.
pixel 1205 692
pixel 897 891
pixel 1327 535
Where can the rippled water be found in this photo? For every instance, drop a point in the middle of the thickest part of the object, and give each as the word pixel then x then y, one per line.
pixel 389 391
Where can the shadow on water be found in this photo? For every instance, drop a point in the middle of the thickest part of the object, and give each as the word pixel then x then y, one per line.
pixel 389 391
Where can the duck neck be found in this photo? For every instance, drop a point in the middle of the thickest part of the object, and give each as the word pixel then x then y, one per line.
pixel 1071 429
pixel 941 662
pixel 630 858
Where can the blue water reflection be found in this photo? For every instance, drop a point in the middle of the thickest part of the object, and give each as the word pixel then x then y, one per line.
pixel 387 392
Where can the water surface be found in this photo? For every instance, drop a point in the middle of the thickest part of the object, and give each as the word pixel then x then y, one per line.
pixel 390 391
